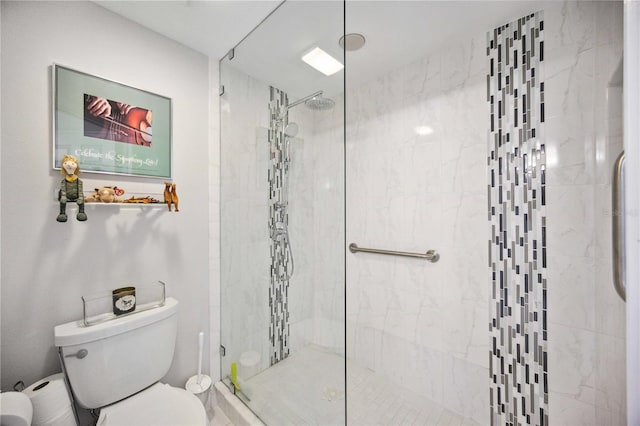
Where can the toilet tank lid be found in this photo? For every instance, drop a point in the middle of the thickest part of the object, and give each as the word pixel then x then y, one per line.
pixel 75 333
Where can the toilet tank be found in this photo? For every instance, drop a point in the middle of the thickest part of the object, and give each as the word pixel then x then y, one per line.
pixel 110 361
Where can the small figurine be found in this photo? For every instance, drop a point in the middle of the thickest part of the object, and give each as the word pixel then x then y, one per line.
pixel 174 196
pixel 170 195
pixel 141 200
pixel 70 188
pixel 106 194
pixel 167 194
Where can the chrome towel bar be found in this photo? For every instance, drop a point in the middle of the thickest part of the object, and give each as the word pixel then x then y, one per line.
pixel 618 227
pixel 430 255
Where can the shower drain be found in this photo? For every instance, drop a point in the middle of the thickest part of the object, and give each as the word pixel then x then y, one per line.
pixel 332 394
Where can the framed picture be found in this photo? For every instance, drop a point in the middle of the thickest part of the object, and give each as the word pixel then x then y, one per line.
pixel 110 127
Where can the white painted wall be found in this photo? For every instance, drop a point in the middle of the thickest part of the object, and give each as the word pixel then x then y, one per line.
pixel 47 266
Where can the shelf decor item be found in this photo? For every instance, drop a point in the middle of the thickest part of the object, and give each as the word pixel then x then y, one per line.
pixel 70 189
pixel 105 194
pixel 98 308
pixel 110 127
pixel 171 195
pixel 124 300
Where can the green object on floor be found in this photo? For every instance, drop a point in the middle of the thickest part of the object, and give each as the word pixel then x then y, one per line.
pixel 234 375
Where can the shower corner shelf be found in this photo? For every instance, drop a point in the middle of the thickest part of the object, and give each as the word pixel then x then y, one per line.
pixel 98 308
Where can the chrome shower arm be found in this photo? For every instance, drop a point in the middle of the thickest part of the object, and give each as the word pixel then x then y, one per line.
pixel 306 98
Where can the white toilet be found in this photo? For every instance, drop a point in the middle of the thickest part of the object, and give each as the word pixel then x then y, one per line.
pixel 115 366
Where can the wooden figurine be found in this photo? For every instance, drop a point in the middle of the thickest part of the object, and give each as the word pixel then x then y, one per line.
pixel 167 194
pixel 174 196
pixel 170 195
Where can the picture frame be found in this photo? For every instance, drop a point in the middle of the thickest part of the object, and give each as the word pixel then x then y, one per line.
pixel 110 127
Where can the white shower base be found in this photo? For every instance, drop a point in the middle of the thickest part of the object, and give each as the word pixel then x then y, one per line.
pixel 307 389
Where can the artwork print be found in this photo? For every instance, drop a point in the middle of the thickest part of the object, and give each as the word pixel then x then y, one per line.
pixel 117 121
pixel 110 127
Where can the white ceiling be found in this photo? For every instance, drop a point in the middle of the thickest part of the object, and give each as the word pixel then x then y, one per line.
pixel 397 32
pixel 211 27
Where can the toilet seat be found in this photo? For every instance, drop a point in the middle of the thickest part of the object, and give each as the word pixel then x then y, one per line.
pixel 158 405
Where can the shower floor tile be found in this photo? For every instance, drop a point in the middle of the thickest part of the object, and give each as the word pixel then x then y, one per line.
pixel 307 389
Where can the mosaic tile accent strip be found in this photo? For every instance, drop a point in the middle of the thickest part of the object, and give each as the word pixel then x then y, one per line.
pixel 278 223
pixel 518 246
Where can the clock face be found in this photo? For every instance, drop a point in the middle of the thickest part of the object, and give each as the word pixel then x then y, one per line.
pixel 126 303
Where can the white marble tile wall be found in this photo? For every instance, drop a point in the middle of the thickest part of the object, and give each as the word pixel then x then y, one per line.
pixel 244 239
pixel 316 223
pixel 301 216
pixel 584 136
pixel 422 325
pixel 329 227
pixel 410 192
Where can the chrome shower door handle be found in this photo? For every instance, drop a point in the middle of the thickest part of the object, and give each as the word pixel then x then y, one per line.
pixel 618 227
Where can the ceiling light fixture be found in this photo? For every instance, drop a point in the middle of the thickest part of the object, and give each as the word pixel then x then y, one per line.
pixel 322 61
pixel 423 130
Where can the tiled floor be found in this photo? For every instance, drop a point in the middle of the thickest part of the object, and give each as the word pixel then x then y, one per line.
pixel 375 401
pixel 307 389
pixel 219 419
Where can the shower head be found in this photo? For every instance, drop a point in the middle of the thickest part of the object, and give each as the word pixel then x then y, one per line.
pixel 319 103
pixel 291 130
pixel 314 101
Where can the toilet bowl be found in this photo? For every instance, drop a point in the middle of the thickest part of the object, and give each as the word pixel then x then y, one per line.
pixel 115 366
pixel 159 405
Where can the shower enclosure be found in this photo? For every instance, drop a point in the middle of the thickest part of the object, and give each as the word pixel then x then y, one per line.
pixel 282 218
pixel 485 131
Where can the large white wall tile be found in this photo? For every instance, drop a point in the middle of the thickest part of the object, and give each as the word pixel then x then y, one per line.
pixel 572 363
pixel 571 234
pixel 413 192
pixel 461 384
pixel 572 297
pixel 583 137
pixel 567 411
pixel 611 382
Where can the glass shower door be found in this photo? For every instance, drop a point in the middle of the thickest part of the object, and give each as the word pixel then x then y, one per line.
pixel 282 218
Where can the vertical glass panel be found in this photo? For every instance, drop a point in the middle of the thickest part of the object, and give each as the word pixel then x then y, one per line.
pixel 282 218
pixel 417 125
pixel 483 130
pixel 486 130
